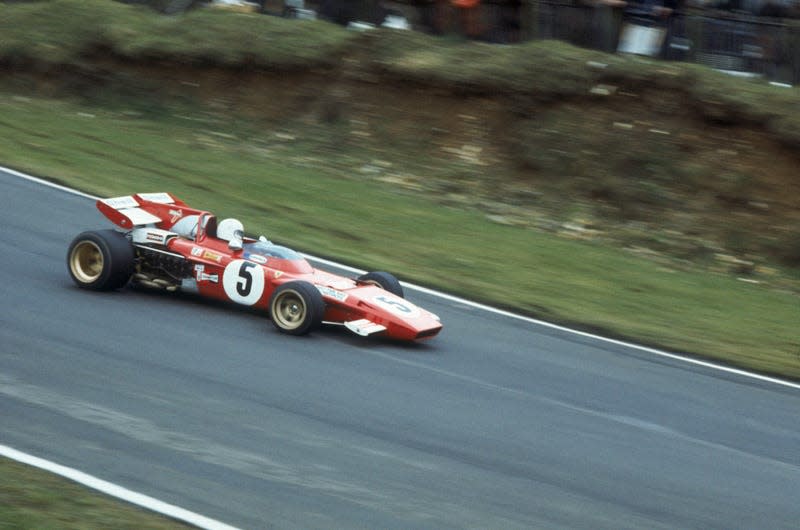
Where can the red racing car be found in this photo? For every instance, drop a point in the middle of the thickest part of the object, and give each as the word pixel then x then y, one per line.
pixel 168 245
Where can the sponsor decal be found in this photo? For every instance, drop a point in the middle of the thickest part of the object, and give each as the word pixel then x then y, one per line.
pixel 331 293
pixel 150 235
pixel 257 258
pixel 396 306
pixel 119 203
pixel 175 215
pixel 163 198
pixel 243 282
pixel 203 277
pixel 197 252
pixel 155 237
pixel 213 256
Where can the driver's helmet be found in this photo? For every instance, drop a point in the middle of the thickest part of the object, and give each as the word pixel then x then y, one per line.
pixel 230 229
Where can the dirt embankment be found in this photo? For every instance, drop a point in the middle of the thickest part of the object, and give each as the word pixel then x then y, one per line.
pixel 650 163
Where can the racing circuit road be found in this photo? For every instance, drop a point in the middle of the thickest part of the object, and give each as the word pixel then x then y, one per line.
pixel 497 423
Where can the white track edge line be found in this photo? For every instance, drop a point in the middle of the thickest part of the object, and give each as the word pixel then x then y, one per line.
pixel 113 490
pixel 543 323
pixel 501 312
pixel 47 183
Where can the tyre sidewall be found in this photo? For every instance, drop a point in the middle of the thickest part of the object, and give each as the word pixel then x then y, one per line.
pixel 118 257
pixel 384 280
pixel 315 307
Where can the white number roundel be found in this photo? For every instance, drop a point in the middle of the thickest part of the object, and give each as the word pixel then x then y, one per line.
pixel 396 305
pixel 243 282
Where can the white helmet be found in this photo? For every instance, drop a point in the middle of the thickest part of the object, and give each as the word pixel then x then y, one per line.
pixel 230 230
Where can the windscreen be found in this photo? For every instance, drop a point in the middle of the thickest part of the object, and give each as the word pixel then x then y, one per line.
pixel 271 251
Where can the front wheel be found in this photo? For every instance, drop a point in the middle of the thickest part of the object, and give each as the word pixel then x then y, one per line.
pixel 384 280
pixel 100 260
pixel 296 308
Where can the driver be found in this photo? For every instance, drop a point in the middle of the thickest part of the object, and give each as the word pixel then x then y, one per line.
pixel 232 231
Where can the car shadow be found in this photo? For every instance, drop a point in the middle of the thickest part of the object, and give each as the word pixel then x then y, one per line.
pixel 334 332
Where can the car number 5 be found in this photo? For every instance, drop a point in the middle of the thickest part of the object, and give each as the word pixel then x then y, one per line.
pixel 243 282
pixel 396 306
pixel 394 303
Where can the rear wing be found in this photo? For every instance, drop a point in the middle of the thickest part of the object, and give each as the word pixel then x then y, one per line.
pixel 143 209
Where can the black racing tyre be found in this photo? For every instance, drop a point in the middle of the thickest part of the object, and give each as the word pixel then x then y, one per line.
pixel 100 260
pixel 384 280
pixel 296 308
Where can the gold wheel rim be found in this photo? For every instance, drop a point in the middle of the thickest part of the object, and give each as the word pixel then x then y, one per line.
pixel 86 261
pixel 289 310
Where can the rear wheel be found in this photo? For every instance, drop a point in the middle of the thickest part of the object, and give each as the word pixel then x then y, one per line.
pixel 296 308
pixel 384 280
pixel 100 260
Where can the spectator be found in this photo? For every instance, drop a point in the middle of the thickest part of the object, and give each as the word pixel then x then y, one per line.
pixel 433 15
pixel 646 22
pixel 606 22
pixel 469 17
pixel 337 11
pixel 652 11
pixel 503 24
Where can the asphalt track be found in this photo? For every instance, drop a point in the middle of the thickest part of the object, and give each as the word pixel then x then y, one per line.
pixel 497 423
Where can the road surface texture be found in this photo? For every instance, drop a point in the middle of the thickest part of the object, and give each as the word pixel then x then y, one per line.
pixel 496 423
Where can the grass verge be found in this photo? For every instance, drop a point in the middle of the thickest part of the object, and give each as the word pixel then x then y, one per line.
pixel 31 498
pixel 284 188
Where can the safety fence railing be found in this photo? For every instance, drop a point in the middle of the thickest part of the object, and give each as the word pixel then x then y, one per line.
pixel 720 39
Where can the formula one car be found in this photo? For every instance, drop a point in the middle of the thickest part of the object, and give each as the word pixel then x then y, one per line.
pixel 165 244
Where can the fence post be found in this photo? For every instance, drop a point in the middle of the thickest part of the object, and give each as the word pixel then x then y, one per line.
pixel 529 23
pixel 793 50
pixel 694 32
pixel 606 24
